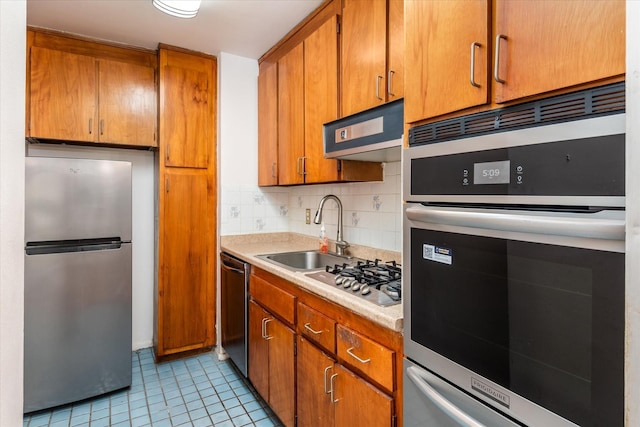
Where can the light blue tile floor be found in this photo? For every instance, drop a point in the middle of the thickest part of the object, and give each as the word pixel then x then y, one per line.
pixel 198 391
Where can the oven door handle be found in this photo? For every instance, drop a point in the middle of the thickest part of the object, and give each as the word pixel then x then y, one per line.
pixel 585 225
pixel 440 401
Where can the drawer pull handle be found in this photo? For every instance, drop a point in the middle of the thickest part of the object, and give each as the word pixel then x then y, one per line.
pixel 310 329
pixel 350 352
pixel 326 390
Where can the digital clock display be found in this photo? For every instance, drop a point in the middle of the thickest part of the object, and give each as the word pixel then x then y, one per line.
pixel 491 172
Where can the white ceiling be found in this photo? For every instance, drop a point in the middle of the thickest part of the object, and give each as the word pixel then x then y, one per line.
pixel 241 27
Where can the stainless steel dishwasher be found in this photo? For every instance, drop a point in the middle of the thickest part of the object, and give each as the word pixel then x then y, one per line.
pixel 234 292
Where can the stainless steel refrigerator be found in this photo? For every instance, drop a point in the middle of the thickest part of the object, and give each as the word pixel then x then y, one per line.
pixel 77 338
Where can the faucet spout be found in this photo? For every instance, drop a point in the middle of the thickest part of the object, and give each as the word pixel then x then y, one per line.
pixel 341 245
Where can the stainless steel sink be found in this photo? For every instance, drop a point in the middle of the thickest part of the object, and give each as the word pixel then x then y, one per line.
pixel 304 260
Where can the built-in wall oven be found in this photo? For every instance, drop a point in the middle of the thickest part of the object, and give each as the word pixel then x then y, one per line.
pixel 514 276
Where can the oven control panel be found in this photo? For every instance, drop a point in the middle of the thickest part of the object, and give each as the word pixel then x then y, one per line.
pixel 580 167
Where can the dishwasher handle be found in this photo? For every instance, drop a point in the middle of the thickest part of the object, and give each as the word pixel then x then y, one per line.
pixel 233 264
pixel 440 401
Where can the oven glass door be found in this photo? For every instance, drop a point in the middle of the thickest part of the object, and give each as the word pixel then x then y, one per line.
pixel 544 321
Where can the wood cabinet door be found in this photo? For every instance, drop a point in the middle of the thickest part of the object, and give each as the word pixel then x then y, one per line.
pixel 258 351
pixel 268 124
pixel 63 96
pixel 291 117
pixel 185 289
pixel 282 375
pixel 551 45
pixel 358 403
pixel 314 372
pixel 364 47
pixel 186 112
pixel 320 99
pixel 440 36
pixel 395 48
pixel 127 104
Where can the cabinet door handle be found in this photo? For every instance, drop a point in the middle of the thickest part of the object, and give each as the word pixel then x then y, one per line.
pixel 389 79
pixel 331 391
pixel 496 64
pixel 101 126
pixel 350 352
pixel 90 126
pixel 273 170
pixel 265 335
pixel 326 390
pixel 473 63
pixel 378 78
pixel 310 329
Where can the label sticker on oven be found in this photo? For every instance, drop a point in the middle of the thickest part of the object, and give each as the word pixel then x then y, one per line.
pixel 437 254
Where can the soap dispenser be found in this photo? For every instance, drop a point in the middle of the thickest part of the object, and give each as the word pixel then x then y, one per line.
pixel 324 242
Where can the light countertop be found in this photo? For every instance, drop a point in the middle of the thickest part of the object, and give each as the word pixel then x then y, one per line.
pixel 248 246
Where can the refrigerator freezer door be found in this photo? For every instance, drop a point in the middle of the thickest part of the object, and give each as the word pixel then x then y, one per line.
pixel 70 199
pixel 77 325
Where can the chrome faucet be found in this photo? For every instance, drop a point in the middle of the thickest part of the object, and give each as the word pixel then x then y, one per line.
pixel 341 245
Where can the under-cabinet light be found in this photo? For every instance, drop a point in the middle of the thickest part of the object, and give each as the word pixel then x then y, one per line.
pixel 179 8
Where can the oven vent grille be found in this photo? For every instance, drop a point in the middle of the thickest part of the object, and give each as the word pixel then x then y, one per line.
pixel 574 106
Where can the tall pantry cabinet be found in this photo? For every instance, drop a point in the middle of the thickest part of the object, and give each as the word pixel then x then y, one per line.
pixel 185 306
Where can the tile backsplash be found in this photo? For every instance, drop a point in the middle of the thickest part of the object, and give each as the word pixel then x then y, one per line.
pixel 371 210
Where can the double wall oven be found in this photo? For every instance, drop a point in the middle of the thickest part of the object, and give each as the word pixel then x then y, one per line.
pixel 514 273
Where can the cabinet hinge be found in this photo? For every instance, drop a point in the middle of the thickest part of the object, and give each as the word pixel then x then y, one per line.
pixel 338 27
pixel 166 184
pixel 339 165
pixel 295 420
pixel 394 420
pixel 295 348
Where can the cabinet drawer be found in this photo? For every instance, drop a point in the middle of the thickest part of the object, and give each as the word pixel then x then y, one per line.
pixel 317 327
pixel 364 355
pixel 277 301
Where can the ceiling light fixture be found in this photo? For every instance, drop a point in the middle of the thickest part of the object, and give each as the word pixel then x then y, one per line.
pixel 179 8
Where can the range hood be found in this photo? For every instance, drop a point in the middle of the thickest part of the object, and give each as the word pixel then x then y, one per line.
pixel 373 135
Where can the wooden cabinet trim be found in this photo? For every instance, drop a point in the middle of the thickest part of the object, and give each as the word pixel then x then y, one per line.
pixel 92 47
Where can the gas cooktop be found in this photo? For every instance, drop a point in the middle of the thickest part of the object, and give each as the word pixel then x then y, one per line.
pixel 375 281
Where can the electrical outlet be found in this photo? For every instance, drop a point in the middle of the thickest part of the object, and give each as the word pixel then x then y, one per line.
pixel 307 216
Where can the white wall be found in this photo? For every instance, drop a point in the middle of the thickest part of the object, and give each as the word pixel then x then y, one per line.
pixel 143 225
pixel 13 18
pixel 372 211
pixel 632 365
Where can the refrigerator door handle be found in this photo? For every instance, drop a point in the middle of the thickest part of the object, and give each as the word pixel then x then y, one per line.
pixel 449 408
pixel 40 248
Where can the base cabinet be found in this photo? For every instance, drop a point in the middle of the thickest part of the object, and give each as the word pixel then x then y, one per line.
pixel 331 395
pixel 272 361
pixel 305 356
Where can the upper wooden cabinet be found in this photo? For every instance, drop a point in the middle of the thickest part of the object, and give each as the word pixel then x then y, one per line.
pixel 549 45
pixel 268 124
pixel 447 47
pixel 372 53
pixel 87 92
pixel 462 55
pixel 187 119
pixel 291 117
pixel 305 83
